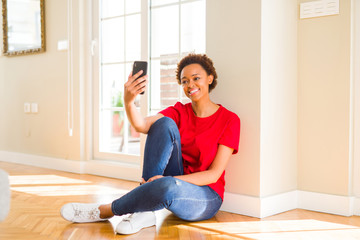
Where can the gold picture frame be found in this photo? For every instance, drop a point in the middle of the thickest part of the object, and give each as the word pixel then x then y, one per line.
pixel 23 27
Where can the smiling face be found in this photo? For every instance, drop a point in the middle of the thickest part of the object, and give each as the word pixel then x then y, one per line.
pixel 195 81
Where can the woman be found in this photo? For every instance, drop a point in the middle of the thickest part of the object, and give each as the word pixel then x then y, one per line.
pixel 186 152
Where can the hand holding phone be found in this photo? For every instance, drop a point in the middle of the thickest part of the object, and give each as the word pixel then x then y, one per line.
pixel 140 65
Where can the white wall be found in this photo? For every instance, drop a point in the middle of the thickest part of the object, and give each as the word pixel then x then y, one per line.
pixel 40 78
pixel 356 92
pixel 2 99
pixel 324 52
pixel 278 139
pixel 233 42
pixel 257 65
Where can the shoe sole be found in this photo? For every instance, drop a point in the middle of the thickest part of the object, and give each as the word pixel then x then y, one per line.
pixel 132 232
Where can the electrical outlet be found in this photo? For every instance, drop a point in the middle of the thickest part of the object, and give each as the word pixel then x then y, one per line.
pixel 26 107
pixel 34 107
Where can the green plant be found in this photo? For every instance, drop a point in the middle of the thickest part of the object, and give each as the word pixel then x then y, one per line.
pixel 118 101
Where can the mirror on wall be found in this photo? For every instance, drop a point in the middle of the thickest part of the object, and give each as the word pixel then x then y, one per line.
pixel 23 27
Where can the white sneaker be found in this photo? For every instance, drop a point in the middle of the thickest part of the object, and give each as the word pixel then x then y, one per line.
pixel 81 212
pixel 135 222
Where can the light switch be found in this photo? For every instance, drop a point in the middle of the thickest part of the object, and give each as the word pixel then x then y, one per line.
pixel 34 107
pixel 62 45
pixel 26 107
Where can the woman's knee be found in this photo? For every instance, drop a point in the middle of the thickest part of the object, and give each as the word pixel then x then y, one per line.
pixel 193 212
pixel 168 186
pixel 163 124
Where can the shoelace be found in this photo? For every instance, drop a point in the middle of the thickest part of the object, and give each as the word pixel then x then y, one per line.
pixel 128 218
pixel 92 213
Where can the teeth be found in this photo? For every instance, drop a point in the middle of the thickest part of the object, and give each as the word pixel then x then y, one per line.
pixel 193 91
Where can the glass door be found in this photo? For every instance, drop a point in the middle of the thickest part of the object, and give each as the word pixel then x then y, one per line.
pixel 120 40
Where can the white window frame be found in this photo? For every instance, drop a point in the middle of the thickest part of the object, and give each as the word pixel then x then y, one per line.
pixel 96 64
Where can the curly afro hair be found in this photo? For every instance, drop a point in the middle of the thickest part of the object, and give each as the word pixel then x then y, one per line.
pixel 205 62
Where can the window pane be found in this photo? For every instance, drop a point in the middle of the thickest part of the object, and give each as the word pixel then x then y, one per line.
pixel 164 31
pixel 155 86
pixel 112 85
pixel 193 27
pixel 169 88
pixel 112 44
pixel 128 69
pixel 165 50
pixel 112 131
pixel 133 37
pixel 164 87
pixel 111 8
pixel 134 141
pixel 162 2
pixel 133 6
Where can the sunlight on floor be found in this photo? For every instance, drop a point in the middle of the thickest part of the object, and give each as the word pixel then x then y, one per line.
pixel 42 179
pixel 277 230
pixel 59 186
pixel 69 190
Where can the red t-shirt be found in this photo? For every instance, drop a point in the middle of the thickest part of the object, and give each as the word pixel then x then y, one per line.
pixel 200 137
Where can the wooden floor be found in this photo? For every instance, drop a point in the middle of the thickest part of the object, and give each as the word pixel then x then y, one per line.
pixel 38 194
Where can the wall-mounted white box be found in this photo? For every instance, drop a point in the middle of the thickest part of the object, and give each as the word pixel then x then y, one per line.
pixel 62 45
pixel 319 8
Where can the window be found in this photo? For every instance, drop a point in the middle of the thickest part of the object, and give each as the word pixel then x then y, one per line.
pixel 120 35
pixel 184 22
pixel 126 33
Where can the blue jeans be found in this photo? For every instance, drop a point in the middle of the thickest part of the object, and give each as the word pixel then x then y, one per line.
pixel 163 157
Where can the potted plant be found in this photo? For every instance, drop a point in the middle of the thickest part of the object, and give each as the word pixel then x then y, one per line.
pixel 118 122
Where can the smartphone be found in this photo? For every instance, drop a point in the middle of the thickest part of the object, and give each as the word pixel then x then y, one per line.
pixel 140 65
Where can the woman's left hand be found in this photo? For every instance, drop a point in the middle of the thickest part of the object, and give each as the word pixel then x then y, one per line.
pixel 154 178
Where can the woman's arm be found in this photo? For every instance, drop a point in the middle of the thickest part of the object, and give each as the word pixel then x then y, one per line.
pixel 132 88
pixel 140 123
pixel 211 175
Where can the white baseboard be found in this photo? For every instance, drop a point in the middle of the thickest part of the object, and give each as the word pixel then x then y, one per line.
pixel 357 206
pixel 44 162
pixel 279 203
pixel 102 168
pixel 267 206
pixel 131 172
pixel 259 207
pixel 327 203
pixel 241 204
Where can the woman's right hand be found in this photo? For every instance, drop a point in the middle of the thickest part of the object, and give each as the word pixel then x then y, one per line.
pixel 133 87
